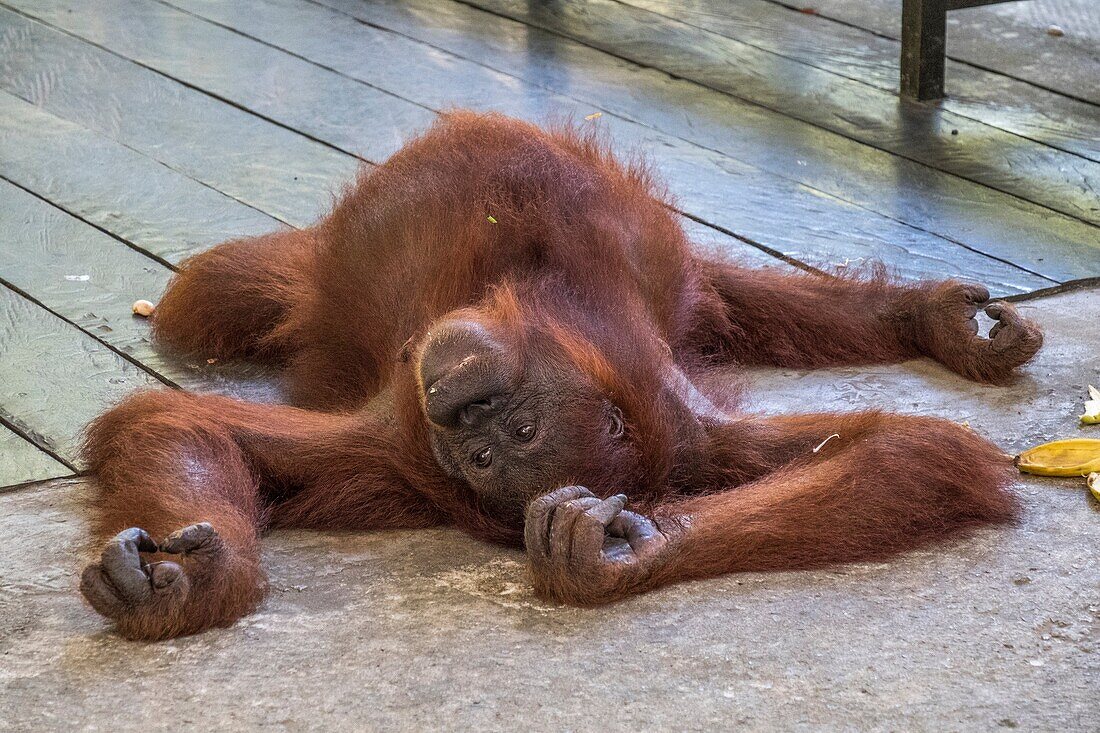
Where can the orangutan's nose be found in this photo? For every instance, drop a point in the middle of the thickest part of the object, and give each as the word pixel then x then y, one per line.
pixel 475 413
pixel 461 374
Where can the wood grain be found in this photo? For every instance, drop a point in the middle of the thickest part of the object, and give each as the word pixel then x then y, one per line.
pixel 91 280
pixel 54 379
pixel 94 69
pixel 920 132
pixel 141 201
pixel 716 189
pixel 992 98
pixel 275 170
pixel 136 133
pixel 925 198
pixel 22 462
pixel 1009 38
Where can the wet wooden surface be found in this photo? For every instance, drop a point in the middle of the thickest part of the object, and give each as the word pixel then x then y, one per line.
pixel 134 133
pixel 746 67
pixel 56 378
pixel 91 280
pixel 1022 108
pixel 717 189
pixel 168 215
pixel 275 170
pixel 822 161
pixel 24 462
pixel 1010 38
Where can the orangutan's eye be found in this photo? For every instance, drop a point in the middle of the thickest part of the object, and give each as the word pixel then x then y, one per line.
pixel 483 458
pixel 616 428
pixel 524 433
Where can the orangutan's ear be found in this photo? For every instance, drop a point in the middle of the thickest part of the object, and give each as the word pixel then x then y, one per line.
pixel 616 426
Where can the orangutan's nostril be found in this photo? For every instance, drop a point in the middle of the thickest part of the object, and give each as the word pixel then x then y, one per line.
pixel 476 412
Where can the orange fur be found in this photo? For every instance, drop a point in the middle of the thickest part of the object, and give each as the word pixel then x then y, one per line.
pixel 585 270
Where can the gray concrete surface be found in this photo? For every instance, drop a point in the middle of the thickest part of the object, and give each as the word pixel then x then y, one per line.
pixel 431 630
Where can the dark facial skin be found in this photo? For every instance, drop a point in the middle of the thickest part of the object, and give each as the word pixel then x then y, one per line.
pixel 511 448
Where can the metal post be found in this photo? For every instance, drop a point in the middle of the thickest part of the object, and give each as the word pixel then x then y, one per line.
pixel 923 36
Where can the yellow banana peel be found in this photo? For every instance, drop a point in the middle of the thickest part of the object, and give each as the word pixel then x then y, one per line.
pixel 1093 482
pixel 1092 407
pixel 1072 457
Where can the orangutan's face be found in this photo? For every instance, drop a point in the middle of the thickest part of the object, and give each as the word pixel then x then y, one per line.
pixel 514 428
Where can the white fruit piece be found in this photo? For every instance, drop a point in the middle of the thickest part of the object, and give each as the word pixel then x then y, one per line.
pixel 1092 407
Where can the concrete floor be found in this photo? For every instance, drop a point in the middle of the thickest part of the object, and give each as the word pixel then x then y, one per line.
pixel 431 630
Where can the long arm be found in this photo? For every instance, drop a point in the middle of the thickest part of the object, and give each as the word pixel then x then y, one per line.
pixel 804 320
pixel 880 485
pixel 198 478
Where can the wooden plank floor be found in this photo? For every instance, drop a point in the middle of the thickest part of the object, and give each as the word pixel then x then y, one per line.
pixel 134 133
pixel 1010 39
